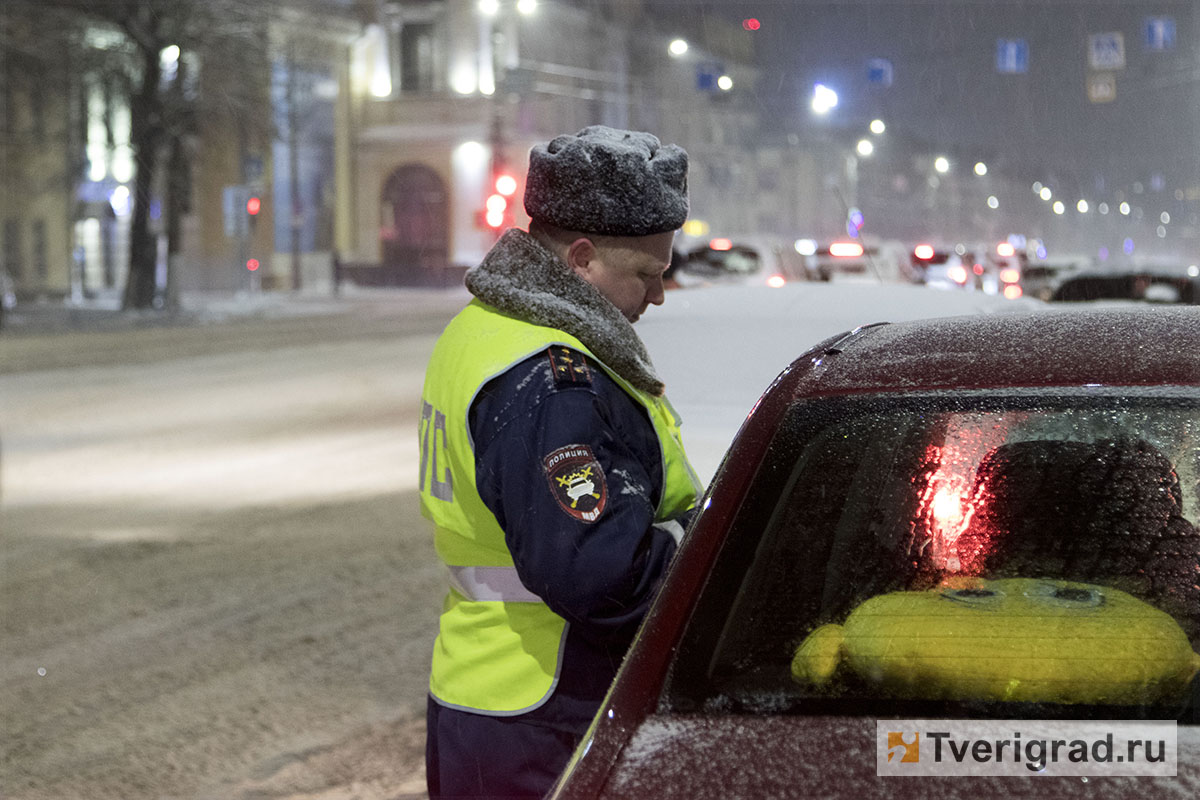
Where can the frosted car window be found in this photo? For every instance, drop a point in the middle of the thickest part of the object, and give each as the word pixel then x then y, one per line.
pixel 1070 497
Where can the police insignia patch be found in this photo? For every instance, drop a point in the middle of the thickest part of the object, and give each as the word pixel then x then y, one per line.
pixel 569 366
pixel 577 481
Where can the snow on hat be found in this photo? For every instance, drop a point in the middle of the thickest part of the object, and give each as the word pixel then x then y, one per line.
pixel 609 182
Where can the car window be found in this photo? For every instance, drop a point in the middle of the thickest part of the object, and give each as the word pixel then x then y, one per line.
pixel 735 260
pixel 890 550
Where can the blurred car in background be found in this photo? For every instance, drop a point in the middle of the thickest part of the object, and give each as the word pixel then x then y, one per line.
pixel 1037 471
pixel 995 269
pixel 827 260
pixel 752 259
pixel 947 267
pixel 1042 276
pixel 1147 280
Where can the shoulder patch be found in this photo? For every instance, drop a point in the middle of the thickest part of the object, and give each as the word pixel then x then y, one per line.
pixel 570 367
pixel 577 481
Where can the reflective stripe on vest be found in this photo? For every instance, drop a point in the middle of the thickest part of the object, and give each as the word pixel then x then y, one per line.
pixel 491 583
pixel 498 647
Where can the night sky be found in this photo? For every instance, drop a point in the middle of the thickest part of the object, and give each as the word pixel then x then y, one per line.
pixel 946 88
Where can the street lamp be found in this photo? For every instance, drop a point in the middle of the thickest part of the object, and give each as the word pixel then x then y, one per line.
pixel 677 47
pixel 941 164
pixel 877 126
pixel 865 147
pixel 824 99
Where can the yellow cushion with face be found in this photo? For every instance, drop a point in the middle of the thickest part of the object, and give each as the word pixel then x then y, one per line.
pixel 1016 639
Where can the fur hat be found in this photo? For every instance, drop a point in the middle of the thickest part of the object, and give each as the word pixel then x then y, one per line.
pixel 609 182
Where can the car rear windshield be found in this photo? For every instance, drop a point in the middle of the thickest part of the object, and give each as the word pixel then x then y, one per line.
pixel 735 261
pixel 1033 555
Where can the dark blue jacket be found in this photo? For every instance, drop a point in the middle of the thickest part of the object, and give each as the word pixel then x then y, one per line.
pixel 600 576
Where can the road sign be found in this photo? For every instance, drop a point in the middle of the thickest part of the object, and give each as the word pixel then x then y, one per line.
pixel 1160 33
pixel 1012 56
pixel 879 72
pixel 1102 87
pixel 1106 50
pixel 707 73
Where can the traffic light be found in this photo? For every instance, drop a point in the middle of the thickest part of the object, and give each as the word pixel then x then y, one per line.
pixel 497 212
pixel 253 206
pixel 252 264
pixel 751 24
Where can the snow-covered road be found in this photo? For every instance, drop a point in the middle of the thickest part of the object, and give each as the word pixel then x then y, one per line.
pixel 216 582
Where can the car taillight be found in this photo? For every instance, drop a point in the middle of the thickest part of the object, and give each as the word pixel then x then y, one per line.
pixel 776 281
pixel 1012 291
pixel 957 273
pixel 1010 275
pixel 845 249
pixel 923 251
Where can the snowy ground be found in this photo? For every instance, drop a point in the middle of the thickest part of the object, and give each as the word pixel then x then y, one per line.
pixel 718 349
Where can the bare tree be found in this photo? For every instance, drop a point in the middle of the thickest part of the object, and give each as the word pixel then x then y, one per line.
pixel 152 52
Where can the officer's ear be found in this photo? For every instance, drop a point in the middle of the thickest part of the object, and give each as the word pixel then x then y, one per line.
pixel 581 254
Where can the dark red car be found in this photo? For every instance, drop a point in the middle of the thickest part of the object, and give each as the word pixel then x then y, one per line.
pixel 872 544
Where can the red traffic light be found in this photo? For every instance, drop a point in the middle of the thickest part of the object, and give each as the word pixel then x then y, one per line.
pixel 506 185
pixel 253 206
pixel 751 24
pixel 496 211
pixel 252 264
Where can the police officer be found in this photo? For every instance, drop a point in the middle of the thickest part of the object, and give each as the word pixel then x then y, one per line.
pixel 551 464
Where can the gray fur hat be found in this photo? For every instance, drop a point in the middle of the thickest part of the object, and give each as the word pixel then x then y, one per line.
pixel 609 182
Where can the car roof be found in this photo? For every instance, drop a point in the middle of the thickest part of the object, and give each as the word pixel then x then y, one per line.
pixel 1116 346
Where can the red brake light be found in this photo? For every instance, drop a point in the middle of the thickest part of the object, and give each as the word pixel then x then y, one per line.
pixel 923 251
pixel 721 244
pixel 845 249
pixel 1005 250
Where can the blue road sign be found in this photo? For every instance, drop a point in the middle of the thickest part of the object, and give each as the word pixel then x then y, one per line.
pixel 1106 50
pixel 1160 33
pixel 1012 56
pixel 879 72
pixel 707 74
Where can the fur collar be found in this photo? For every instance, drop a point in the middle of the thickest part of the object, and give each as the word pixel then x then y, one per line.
pixel 523 279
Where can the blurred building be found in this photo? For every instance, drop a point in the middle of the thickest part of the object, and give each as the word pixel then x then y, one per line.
pixel 371 133
pixel 41 153
pixel 448 97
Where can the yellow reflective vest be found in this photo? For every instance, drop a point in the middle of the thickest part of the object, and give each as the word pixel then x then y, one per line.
pixel 499 648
